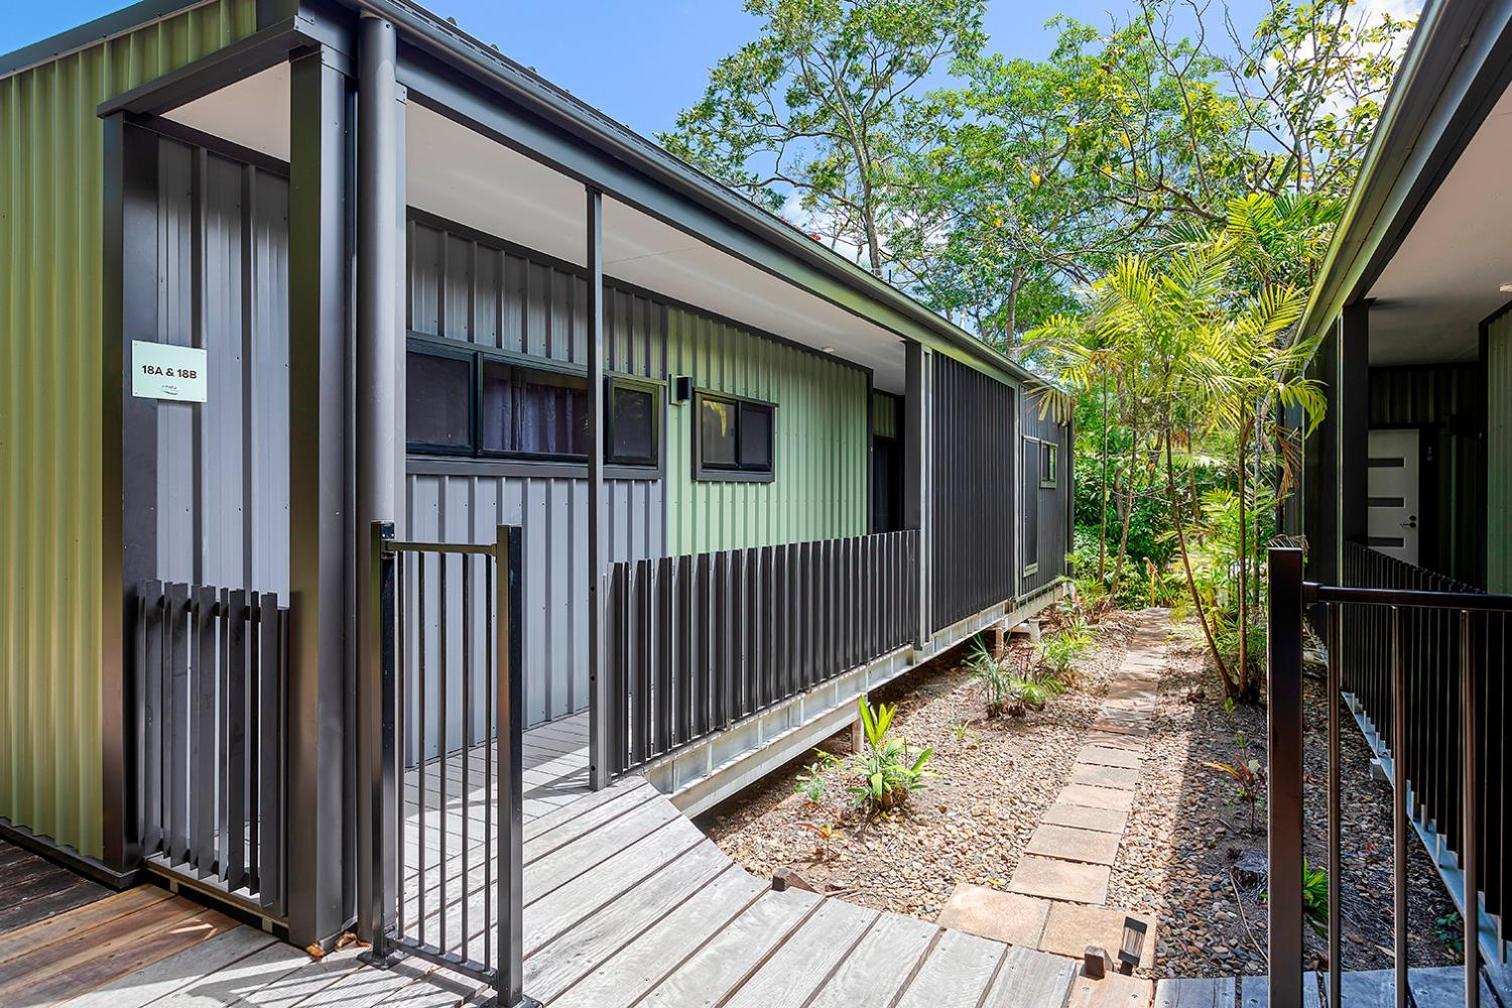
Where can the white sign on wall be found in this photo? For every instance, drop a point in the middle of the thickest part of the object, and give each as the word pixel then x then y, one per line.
pixel 161 371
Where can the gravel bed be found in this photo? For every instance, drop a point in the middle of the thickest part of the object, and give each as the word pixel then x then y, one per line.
pixel 1189 841
pixel 996 777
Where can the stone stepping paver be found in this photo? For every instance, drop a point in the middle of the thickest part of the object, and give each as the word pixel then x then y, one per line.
pixel 1117 778
pixel 1098 755
pixel 1060 880
pixel 1070 928
pixel 1006 917
pixel 1082 817
pixel 1115 740
pixel 1097 797
pixel 1070 844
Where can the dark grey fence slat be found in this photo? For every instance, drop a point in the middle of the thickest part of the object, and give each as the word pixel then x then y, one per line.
pixel 177 618
pixel 151 676
pixel 236 712
pixel 272 646
pixel 698 642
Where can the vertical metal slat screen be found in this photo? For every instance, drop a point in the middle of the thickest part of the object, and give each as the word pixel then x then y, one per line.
pixel 211 684
pixel 698 642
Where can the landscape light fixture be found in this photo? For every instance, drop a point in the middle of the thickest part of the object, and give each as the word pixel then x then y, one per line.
pixel 1134 931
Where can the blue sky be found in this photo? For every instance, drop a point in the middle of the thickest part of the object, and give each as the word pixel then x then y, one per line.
pixel 638 60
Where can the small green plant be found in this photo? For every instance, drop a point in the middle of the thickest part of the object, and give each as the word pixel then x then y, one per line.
pixel 827 832
pixel 1450 931
pixel 1315 897
pixel 1248 776
pixel 887 770
pixel 996 675
pixel 1058 651
pixel 810 783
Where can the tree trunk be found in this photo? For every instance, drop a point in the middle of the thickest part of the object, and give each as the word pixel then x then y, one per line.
pixel 1186 563
pixel 1102 530
pixel 1243 563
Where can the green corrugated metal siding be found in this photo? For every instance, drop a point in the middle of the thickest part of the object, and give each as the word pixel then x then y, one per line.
pixel 821 443
pixel 885 420
pixel 1499 455
pixel 51 178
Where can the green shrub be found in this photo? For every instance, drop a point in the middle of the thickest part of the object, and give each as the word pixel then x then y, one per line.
pixel 1058 651
pixel 887 770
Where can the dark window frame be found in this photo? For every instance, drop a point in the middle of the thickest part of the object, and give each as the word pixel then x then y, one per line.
pixel 658 397
pixel 735 472
pixel 442 448
pixel 1030 565
pixel 479 356
pixel 1049 474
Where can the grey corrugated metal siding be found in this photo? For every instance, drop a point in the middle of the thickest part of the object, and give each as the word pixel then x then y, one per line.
pixel 1054 534
pixel 223 468
pixel 973 516
pixel 467 289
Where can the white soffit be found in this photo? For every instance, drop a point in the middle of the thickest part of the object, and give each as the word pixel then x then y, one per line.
pixel 253 112
pixel 461 175
pixel 1445 277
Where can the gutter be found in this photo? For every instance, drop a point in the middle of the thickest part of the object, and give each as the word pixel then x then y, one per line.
pixel 558 106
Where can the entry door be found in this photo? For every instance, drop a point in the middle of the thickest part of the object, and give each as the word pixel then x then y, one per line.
pixel 1393 489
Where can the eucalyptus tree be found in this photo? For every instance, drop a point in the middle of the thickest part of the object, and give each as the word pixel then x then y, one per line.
pixel 812 110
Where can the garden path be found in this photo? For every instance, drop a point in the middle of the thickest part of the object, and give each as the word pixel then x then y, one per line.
pixel 1056 900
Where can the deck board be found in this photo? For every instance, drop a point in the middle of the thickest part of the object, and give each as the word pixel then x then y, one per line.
pixel 35 888
pixel 626 905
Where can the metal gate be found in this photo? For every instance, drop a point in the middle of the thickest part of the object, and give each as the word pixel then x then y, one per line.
pixel 445 778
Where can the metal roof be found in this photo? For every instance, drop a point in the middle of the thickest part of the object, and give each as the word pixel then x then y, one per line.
pixel 558 105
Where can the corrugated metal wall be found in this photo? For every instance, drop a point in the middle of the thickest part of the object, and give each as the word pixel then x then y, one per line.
pixel 223 472
pixel 1499 455
pixel 973 536
pixel 1449 402
pixel 1054 535
pixel 51 185
pixel 820 441
pixel 465 289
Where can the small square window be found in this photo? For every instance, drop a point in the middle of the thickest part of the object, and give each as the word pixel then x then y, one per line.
pixel 1047 465
pixel 438 403
pixel 633 424
pixel 735 438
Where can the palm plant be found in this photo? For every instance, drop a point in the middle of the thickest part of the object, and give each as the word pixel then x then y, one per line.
pixel 1202 345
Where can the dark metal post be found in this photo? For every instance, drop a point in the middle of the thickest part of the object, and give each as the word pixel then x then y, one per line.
pixel 1353 422
pixel 128 465
pixel 916 478
pixel 1284 744
pixel 1335 946
pixel 320 540
pixel 510 697
pixel 1469 799
pixel 379 464
pixel 1399 802
pixel 601 703
pixel 376 744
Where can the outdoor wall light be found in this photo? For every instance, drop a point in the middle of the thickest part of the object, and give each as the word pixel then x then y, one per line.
pixel 682 388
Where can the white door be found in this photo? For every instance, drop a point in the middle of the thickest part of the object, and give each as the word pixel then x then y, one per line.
pixel 1392 486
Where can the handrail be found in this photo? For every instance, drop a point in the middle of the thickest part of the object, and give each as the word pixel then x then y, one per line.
pixel 1392 648
pixel 1312 591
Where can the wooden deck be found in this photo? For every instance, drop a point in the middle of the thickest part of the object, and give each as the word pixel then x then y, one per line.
pixel 33 888
pixel 628 905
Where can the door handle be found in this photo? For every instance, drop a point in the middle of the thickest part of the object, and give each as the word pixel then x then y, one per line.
pixel 1411 522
